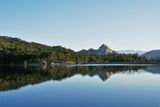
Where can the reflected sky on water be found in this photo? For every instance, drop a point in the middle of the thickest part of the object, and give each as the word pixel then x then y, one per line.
pixel 113 86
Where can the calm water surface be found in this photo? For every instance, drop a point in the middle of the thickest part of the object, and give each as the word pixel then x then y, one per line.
pixel 80 86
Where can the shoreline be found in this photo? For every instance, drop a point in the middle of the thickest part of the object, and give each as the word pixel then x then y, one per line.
pixel 87 64
pixel 116 64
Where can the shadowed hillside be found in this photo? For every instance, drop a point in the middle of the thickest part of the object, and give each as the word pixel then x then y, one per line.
pixel 17 51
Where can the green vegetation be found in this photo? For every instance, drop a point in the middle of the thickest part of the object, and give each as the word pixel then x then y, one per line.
pixel 14 50
pixel 17 76
pixel 17 51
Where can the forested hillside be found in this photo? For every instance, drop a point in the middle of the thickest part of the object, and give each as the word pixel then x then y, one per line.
pixel 17 51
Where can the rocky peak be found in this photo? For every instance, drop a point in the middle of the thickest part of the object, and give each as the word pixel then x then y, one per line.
pixel 102 50
pixel 103 46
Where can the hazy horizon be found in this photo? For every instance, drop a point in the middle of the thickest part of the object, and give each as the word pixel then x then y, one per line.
pixel 84 24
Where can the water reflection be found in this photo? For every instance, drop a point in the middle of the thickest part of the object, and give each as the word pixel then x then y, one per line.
pixel 17 77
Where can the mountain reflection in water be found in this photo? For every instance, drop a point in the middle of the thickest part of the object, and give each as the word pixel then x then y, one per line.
pixel 17 77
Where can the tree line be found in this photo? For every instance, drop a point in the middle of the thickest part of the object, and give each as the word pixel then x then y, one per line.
pixel 17 51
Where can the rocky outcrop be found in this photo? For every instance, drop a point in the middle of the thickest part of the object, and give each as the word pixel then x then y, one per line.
pixel 102 50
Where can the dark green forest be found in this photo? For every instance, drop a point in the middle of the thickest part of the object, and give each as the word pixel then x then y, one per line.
pixel 17 51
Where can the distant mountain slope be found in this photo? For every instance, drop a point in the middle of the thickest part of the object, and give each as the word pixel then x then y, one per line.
pixel 154 54
pixel 102 50
pixel 17 51
pixel 139 52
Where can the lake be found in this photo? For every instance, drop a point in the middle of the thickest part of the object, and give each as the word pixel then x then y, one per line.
pixel 80 86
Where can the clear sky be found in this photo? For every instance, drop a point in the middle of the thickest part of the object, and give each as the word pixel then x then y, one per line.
pixel 77 24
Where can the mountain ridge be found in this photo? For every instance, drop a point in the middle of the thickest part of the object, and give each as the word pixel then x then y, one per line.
pixel 129 51
pixel 102 50
pixel 17 51
pixel 153 54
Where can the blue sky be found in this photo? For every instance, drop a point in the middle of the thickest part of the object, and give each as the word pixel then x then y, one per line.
pixel 77 24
